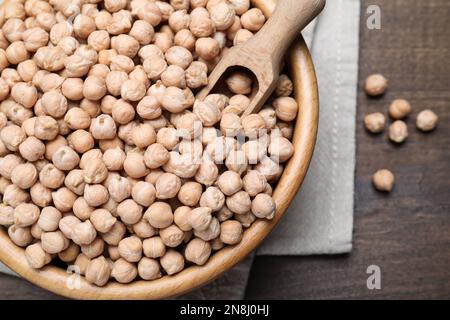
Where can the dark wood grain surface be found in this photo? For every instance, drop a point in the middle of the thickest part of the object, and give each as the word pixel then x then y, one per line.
pixel 406 233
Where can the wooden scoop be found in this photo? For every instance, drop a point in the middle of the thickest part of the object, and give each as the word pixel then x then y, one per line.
pixel 263 54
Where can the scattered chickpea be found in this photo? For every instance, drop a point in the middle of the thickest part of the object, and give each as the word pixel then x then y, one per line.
pixel 383 180
pixel 399 109
pixel 172 262
pixel 375 122
pixel 239 83
pixel 427 120
pixel 98 271
pixel 149 269
pixel 376 85
pixel 398 131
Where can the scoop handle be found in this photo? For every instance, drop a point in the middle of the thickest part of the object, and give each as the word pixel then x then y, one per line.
pixel 285 24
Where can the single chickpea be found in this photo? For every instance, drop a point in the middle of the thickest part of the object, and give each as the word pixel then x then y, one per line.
pixel 103 127
pixel 49 219
pixel 54 103
pixel 263 206
pixel 284 87
pixel 81 141
pixel 185 38
pixel 114 159
pixel 114 81
pixel 253 19
pixel 144 230
pixel 63 199
pixel 94 88
pixel 144 193
pixel 129 211
pixel 40 195
pixel 51 177
pixel 281 149
pixel 130 249
pixel 121 63
pixel 123 112
pixel 115 234
pixel 224 214
pixel 239 83
pixel 17 52
pixel 230 124
pixel 398 131
pixel 383 180
pixel 124 271
pixel 36 256
pixel 231 232
pixel 26 214
pixel 6 215
pixel 149 108
pixel 222 14
pixel 196 75
pixel 99 40
pixel 212 198
pixel 167 186
pixel 94 249
pixel 229 182
pixel 25 94
pixel 201 24
pixel 67 224
pixel 12 136
pixel 98 271
pixel 269 116
pixel 34 38
pixel 125 45
pixel 69 45
pixel 8 163
pixel 81 209
pixel 286 108
pixel 375 122
pixel 83 26
pixel 27 69
pixel 102 220
pixel 207 48
pixel 399 109
pixel 376 85
pixel 95 171
pixel 149 269
pixel 4 89
pixel 181 218
pixel 105 56
pixel 167 137
pixel 198 251
pixel 254 182
pixel 190 193
pixel 20 236
pixel 253 125
pixel 427 120
pixel 159 215
pixel 143 135
pixel 179 56
pixel 95 194
pixel 52 146
pixel 65 158
pixel 246 219
pixel 239 202
pixel 163 40
pixel 154 247
pixel 134 165
pixel 83 233
pixel 72 88
pixel 208 112
pixel 82 262
pixel 211 232
pixel 171 236
pixel 200 218
pixel 172 262
pixel 149 12
pixel 24 175
pixel 119 188
pixel 142 31
pixel 54 242
pixel 70 254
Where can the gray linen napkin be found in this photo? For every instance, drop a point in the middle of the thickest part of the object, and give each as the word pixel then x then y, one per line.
pixel 320 220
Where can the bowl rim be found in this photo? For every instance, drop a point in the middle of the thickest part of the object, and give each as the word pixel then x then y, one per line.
pixel 71 285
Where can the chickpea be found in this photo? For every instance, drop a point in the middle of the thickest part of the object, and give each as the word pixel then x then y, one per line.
pixel 6 215
pixel 253 19
pixel 159 215
pixel 103 127
pixel 211 232
pixel 239 83
pixel 121 63
pixel 172 262
pixel 51 177
pixel 190 193
pixel 24 175
pixel 98 271
pixel 26 214
pixel 239 202
pixel 40 195
pixel 130 249
pixel 375 122
pixel 208 172
pixel 383 180
pixel 25 94
pixel 198 251
pixel 231 232
pixel 375 85
pixel 398 131
pixel 124 271
pixel 20 236
pixel 115 234
pixel 149 269
pixel 167 186
pixel 72 88
pixel 8 163
pixel 201 24
pixel 163 40
pixel 142 31
pixel 94 249
pixel 179 56
pixel 95 194
pixel 12 136
pixel 81 141
pixel 129 211
pixel 229 182
pixel 94 88
pixel 35 38
pixel 144 193
pixel 49 219
pixel 36 256
pixel 54 242
pixel 286 108
pixel 263 206
pixel 65 158
pixel 17 52
pixel 399 109
pixel 70 254
pixel 212 198
pixel 281 149
pixel 144 230
pixel 54 103
pixel 208 112
pixel 134 165
pixel 427 120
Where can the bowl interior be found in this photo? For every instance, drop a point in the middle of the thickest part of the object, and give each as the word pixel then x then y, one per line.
pixel 71 285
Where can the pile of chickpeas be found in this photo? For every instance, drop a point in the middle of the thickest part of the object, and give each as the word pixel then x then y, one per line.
pixel 108 163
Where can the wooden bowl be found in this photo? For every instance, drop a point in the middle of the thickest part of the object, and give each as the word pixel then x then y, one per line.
pixel 58 280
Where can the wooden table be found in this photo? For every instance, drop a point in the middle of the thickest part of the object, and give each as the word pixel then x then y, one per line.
pixel 406 233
